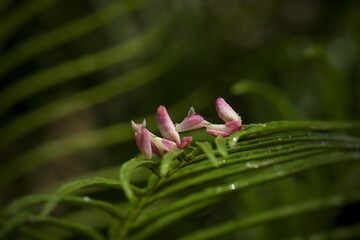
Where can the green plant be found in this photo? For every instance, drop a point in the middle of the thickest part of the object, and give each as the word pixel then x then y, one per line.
pixel 229 178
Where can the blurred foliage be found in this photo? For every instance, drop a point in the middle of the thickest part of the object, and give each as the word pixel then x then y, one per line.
pixel 74 73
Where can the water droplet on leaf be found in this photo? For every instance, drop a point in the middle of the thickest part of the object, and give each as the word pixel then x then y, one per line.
pixel 222 161
pixel 251 165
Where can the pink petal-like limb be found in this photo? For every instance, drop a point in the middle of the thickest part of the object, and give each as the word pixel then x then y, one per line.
pixel 157 151
pixel 168 145
pixel 142 138
pixel 225 112
pixel 161 145
pixel 166 126
pixel 185 141
pixel 218 130
pixel 191 122
pixel 234 125
pixel 138 127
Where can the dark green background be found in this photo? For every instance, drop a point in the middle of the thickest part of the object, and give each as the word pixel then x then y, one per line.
pixel 294 60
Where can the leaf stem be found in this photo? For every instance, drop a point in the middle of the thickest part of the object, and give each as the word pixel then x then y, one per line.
pixel 143 200
pixel 133 215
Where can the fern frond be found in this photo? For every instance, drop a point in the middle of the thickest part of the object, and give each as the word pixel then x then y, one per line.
pixel 185 184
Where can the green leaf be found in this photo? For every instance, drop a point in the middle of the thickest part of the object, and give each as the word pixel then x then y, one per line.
pixel 73 186
pixel 164 221
pixel 125 173
pixel 86 231
pixel 209 152
pixel 275 214
pixel 247 151
pixel 167 160
pixel 220 143
pixel 85 201
pixel 13 223
pixel 228 170
pixel 262 129
pixel 263 176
